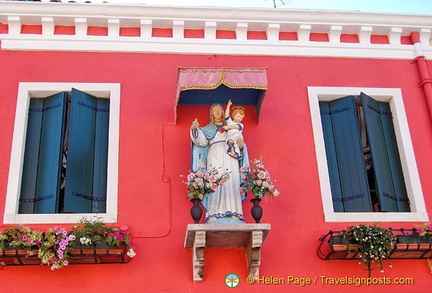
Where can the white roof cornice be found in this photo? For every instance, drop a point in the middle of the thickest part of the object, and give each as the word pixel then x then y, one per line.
pixel 211 19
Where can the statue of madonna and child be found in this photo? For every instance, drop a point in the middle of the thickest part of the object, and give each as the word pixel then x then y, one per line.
pixel 219 145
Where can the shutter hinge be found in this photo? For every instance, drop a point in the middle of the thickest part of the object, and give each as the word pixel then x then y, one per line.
pixel 92 107
pixel 349 197
pixel 335 111
pixel 44 109
pixel 89 197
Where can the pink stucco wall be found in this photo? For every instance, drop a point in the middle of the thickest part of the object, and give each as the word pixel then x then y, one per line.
pixel 154 151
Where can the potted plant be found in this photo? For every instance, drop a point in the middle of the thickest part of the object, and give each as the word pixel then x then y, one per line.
pixel 56 247
pixel 201 183
pixel 20 240
pixel 424 229
pixel 259 182
pixel 94 236
pixel 375 244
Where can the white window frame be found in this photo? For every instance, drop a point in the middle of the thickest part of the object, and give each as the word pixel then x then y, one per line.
pixel 393 96
pixel 27 90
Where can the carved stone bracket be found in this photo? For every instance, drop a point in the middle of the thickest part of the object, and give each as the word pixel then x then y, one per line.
pixel 248 236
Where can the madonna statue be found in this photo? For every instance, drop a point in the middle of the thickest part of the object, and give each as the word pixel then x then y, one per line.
pixel 209 146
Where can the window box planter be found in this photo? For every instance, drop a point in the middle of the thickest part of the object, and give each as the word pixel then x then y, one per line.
pixel 89 242
pixel 102 253
pixel 17 255
pixel 100 248
pixel 409 245
pixel 336 246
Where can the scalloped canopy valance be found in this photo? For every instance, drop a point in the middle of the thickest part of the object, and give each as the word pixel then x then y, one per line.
pixel 206 86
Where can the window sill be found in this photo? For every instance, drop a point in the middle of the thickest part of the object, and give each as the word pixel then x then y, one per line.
pixel 56 218
pixel 376 217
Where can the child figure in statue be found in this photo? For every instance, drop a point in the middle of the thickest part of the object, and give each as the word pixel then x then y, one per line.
pixel 234 129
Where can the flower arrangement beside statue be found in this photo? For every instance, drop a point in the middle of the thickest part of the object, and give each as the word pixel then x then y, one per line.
pixel 200 184
pixel 259 182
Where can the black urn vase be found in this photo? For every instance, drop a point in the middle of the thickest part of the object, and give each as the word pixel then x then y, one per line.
pixel 196 211
pixel 256 210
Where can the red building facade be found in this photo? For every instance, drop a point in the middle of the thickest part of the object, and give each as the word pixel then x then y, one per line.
pixel 132 55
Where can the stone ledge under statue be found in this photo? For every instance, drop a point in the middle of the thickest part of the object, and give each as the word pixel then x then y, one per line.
pixel 248 236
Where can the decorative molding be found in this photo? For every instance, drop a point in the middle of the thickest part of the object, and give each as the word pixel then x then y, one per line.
pixel 243 21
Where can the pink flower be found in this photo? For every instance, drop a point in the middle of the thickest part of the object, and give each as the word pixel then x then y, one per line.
pixel 261 175
pixel 24 238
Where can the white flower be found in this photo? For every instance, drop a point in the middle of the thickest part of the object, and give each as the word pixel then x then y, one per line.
pixel 131 252
pixel 85 241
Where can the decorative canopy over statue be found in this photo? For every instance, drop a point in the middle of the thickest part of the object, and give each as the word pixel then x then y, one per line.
pixel 207 86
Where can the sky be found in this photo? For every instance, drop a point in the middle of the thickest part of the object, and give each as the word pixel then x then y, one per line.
pixel 386 6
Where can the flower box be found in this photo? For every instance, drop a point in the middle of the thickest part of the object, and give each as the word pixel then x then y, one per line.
pixel 90 242
pixel 408 245
pixel 98 254
pixel 100 248
pixel 412 245
pixel 342 247
pixel 18 255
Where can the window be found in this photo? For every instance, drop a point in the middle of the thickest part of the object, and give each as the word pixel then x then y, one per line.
pixel 365 166
pixel 64 153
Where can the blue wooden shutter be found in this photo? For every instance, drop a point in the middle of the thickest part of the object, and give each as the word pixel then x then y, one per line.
pixel 31 157
pixel 332 164
pixel 101 156
pixel 49 153
pixel 86 158
pixel 349 155
pixel 394 159
pixel 390 183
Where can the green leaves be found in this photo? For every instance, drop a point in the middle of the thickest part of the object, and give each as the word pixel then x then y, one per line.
pixel 374 244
